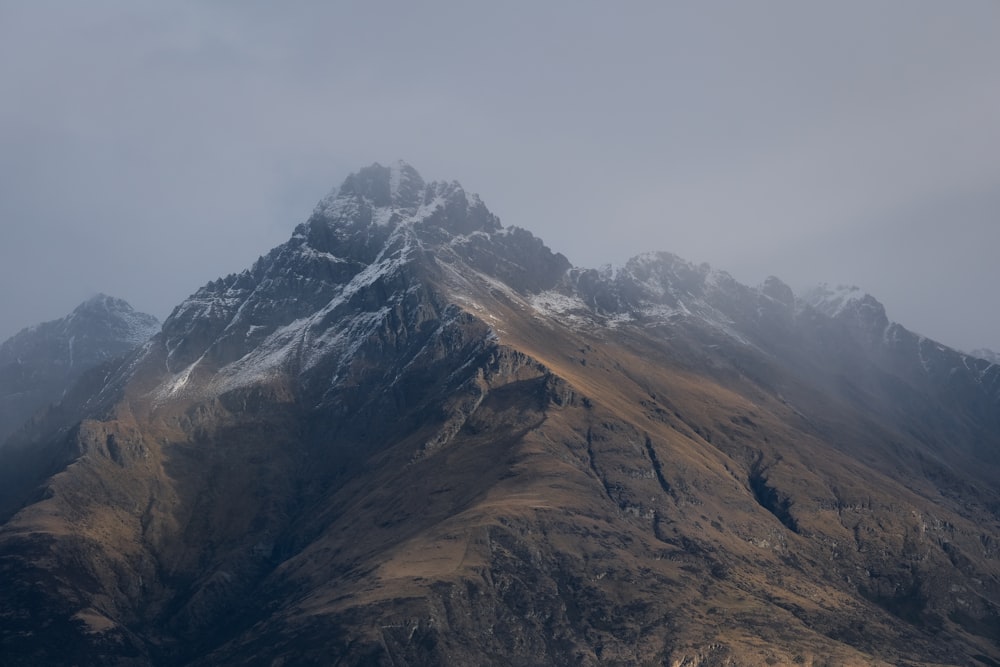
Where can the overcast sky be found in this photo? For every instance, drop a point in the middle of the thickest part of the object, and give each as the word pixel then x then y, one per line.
pixel 147 147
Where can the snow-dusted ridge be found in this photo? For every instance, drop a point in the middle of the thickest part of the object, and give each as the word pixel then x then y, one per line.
pixel 833 300
pixel 313 302
pixel 40 365
pixel 862 312
pixel 102 320
pixel 356 244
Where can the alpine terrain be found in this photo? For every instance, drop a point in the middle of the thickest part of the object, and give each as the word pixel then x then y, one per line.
pixel 38 367
pixel 38 364
pixel 412 436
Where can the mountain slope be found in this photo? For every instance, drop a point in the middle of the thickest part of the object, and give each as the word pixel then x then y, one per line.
pixel 38 364
pixel 410 435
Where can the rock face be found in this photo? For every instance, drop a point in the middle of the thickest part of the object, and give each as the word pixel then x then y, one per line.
pixel 40 363
pixel 410 435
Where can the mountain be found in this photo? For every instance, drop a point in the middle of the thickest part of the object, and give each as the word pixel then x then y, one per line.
pixel 413 436
pixel 38 364
pixel 987 354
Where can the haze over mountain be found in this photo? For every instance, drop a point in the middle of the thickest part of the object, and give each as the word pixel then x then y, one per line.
pixel 149 147
pixel 40 363
pixel 411 435
pixel 988 355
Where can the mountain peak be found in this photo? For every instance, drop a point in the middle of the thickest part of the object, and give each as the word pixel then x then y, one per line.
pixel 404 182
pixel 41 362
pixel 397 195
pixel 776 289
pixel 102 303
pixel 115 318
pixel 398 185
pixel 850 304
pixel 835 300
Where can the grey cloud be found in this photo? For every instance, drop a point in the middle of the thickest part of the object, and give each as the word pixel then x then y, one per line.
pixel 146 148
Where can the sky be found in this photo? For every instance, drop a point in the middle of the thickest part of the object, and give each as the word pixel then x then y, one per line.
pixel 147 147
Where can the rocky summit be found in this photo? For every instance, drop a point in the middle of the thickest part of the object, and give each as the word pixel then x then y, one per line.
pixel 40 363
pixel 413 436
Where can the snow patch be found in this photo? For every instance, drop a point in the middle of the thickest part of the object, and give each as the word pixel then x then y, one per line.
pixel 834 300
pixel 554 303
pixel 176 384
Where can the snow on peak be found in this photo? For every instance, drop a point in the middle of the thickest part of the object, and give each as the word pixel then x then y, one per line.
pixel 99 328
pixel 850 304
pixel 404 181
pixel 388 196
pixel 114 314
pixel 835 300
pixel 398 186
pixel 332 333
pixel 103 303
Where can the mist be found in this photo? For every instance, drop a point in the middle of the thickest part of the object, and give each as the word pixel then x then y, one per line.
pixel 147 148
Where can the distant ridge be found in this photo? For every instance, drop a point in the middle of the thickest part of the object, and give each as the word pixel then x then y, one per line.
pixel 38 364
